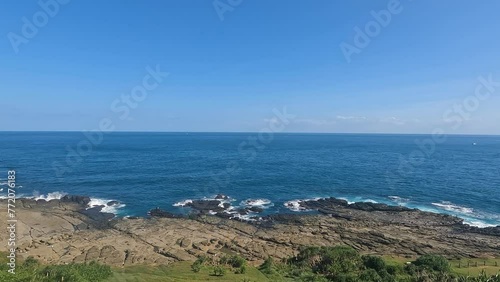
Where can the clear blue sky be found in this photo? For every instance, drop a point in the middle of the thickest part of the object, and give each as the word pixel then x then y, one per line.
pixel 229 75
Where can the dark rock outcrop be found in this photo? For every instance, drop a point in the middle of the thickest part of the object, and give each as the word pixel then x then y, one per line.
pixel 465 228
pixel 82 200
pixel 256 209
pixel 95 214
pixel 205 206
pixel 221 197
pixel 157 212
pixel 112 203
pixel 333 203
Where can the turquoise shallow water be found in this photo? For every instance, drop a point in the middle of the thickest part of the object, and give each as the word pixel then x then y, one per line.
pixel 145 170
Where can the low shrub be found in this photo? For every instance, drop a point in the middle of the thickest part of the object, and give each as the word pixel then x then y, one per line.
pixel 433 262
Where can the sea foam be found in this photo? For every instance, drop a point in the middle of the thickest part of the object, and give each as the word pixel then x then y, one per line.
pixel 261 203
pixel 183 203
pixel 399 200
pixel 453 207
pixel 114 208
pixel 294 205
pixel 50 196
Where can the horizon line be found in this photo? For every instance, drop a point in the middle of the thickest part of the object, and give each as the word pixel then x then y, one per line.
pixel 249 132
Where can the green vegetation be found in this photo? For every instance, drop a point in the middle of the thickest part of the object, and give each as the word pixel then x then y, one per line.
pixel 344 264
pixel 32 271
pixel 433 263
pixel 182 271
pixel 314 264
pixel 474 267
pixel 219 271
pixel 237 264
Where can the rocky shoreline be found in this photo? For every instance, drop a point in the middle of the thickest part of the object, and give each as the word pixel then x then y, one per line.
pixel 332 207
pixel 67 230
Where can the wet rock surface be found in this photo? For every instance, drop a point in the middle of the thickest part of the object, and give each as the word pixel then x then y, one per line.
pixel 112 203
pixel 333 203
pixel 157 212
pixel 95 213
pixel 221 197
pixel 493 231
pixel 207 206
pixel 220 207
pixel 83 200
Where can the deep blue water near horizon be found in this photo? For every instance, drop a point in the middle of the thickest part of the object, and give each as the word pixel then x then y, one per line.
pixel 146 170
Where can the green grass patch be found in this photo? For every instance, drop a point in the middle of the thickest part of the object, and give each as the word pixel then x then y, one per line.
pixel 463 267
pixel 181 271
pixel 474 267
pixel 30 270
pixel 312 264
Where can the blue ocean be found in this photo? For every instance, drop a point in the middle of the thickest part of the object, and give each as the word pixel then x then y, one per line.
pixel 460 176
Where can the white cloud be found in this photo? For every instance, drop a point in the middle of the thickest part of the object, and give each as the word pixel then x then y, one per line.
pixel 351 118
pixel 311 121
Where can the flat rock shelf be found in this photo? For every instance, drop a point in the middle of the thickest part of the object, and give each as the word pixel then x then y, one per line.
pixel 66 230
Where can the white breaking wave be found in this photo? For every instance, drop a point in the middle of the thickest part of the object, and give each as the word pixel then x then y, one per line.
pixel 189 201
pixel 246 217
pixel 94 202
pixel 453 208
pixel 58 195
pixel 347 200
pixel 398 199
pixel 294 205
pixel 50 196
pixel 469 215
pixel 359 199
pixel 478 223
pixel 224 201
pixel 183 203
pixel 261 203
